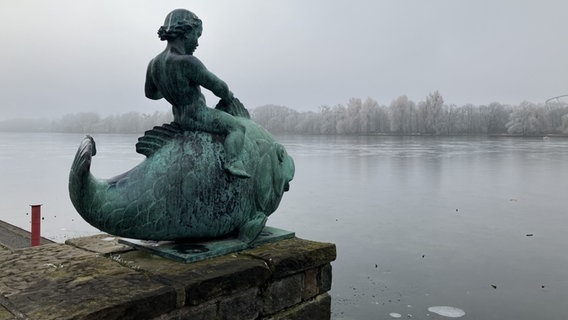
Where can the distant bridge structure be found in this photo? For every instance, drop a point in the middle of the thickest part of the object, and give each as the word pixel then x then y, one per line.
pixel 559 101
pixel 557 110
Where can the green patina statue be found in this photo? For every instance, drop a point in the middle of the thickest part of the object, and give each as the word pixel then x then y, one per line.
pixel 211 173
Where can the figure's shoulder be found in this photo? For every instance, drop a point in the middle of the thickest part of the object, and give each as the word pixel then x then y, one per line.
pixel 189 60
pixel 156 60
pixel 178 61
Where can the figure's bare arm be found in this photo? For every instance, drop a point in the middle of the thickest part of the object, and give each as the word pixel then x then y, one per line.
pixel 208 80
pixel 150 88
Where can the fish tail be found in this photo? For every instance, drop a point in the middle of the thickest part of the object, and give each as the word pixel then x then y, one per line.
pixel 80 169
pixel 86 151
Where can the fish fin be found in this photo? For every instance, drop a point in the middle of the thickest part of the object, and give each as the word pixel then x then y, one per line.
pixel 264 182
pixel 234 108
pixel 263 146
pixel 237 169
pixel 157 137
pixel 252 228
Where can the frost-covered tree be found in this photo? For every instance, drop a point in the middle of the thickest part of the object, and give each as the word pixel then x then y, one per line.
pixel 328 120
pixel 402 115
pixel 497 118
pixel 431 115
pixel 341 125
pixel 525 120
pixel 377 117
pixel 276 118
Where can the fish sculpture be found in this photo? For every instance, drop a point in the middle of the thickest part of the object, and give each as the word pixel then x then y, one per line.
pixel 181 190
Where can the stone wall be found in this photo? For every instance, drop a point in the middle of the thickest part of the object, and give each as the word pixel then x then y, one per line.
pixel 98 278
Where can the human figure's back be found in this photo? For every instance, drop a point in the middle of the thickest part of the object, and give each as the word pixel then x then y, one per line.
pixel 176 75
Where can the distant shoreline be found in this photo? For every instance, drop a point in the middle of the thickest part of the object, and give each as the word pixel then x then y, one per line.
pixel 358 118
pixel 378 134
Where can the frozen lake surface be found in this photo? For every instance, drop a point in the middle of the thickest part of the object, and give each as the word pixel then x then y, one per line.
pixel 478 224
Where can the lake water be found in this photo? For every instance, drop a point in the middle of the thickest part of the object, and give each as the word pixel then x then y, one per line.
pixel 478 224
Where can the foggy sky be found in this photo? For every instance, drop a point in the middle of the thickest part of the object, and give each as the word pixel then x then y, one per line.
pixel 68 56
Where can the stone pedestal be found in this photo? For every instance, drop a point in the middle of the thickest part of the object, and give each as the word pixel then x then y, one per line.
pixel 98 278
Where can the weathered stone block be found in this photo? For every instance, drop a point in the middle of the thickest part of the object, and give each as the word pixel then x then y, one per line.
pixel 203 280
pixel 5 314
pixel 65 282
pixel 205 311
pixel 311 288
pixel 318 308
pixel 4 250
pixel 61 282
pixel 295 255
pixel 325 278
pixel 283 293
pixel 25 266
pixel 243 306
pixel 100 243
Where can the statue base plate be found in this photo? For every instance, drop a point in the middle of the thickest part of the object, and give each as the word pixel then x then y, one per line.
pixel 196 251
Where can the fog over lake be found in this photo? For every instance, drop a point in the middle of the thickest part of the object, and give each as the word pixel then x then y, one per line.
pixel 65 56
pixel 425 227
pixel 458 225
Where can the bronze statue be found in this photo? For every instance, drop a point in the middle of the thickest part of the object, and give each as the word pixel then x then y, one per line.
pixel 211 173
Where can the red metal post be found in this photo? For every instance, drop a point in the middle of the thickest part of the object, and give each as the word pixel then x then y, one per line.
pixel 36 224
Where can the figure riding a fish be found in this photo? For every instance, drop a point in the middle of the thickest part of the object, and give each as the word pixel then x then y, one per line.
pixel 210 173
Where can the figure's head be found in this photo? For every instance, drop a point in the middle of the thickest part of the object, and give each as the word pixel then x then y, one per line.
pixel 178 23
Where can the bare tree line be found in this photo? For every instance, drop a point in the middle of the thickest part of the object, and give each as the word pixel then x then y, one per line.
pixel 402 117
pixel 90 122
pixel 428 117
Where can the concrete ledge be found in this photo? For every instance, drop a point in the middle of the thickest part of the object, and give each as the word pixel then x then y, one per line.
pixel 97 278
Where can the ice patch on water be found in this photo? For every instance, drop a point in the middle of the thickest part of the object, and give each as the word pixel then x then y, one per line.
pixel 450 312
pixel 395 315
